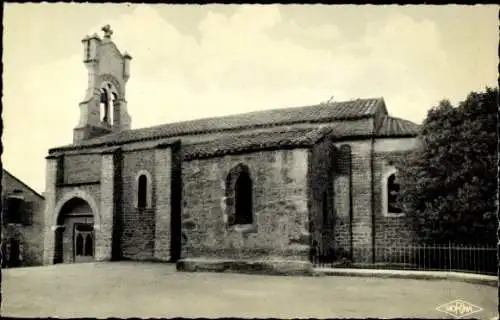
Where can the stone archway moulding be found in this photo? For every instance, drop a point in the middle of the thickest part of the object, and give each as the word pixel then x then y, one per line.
pixel 388 171
pixel 149 188
pixel 79 193
pixel 114 81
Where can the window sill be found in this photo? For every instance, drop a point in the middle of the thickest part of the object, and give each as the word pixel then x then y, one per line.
pixel 394 215
pixel 244 228
pixel 143 208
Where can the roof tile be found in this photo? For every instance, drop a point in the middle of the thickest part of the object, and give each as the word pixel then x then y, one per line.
pixel 393 127
pixel 253 141
pixel 354 109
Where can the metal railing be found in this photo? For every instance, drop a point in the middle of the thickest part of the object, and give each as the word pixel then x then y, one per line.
pixel 451 257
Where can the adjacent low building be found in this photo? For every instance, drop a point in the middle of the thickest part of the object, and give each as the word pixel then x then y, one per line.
pixel 22 223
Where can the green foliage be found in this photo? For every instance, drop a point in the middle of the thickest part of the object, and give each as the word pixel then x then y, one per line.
pixel 449 184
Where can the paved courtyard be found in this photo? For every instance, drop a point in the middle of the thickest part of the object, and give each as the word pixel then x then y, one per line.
pixel 132 289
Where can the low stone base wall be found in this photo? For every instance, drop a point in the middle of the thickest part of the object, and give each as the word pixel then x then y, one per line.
pixel 294 252
pixel 267 267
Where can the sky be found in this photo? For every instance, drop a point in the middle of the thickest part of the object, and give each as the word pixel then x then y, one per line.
pixel 195 61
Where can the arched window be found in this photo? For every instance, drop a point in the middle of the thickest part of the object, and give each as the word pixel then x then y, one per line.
pixel 392 194
pixel 243 199
pixel 142 191
pixel 239 196
pixel 390 191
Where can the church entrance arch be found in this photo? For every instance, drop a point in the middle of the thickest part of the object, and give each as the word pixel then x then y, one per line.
pixel 74 234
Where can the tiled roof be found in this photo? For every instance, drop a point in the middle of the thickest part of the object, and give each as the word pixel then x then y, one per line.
pixel 354 109
pixel 253 141
pixel 393 127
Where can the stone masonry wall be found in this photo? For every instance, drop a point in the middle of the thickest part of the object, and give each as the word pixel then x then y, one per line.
pixel 163 181
pixel 93 190
pixel 342 200
pixel 321 197
pixel 104 231
pixel 51 179
pixel 279 203
pixel 391 231
pixel 137 225
pixel 82 168
pixel 30 236
pixel 362 201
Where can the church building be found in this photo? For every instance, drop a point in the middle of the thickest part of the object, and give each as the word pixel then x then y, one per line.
pixel 280 183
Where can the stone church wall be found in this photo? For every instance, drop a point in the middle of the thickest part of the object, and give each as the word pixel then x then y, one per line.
pixel 342 201
pixel 361 203
pixel 279 205
pixel 137 225
pixel 94 190
pixel 321 204
pixel 390 231
pixel 145 233
pixel 82 168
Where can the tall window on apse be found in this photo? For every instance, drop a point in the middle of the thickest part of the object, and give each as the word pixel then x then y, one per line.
pixel 142 192
pixel 243 199
pixel 239 196
pixel 392 194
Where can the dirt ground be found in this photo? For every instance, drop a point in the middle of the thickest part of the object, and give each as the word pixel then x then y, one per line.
pixel 134 289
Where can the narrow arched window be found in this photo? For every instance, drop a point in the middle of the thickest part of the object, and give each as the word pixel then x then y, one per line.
pixel 142 191
pixel 243 199
pixel 89 245
pixel 239 196
pixel 392 194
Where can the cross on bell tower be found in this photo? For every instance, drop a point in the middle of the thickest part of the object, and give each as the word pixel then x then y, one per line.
pixel 107 31
pixel 104 108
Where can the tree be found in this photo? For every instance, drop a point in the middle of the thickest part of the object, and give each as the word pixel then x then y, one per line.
pixel 449 184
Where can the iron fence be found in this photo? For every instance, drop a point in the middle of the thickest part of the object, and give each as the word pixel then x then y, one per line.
pixel 451 257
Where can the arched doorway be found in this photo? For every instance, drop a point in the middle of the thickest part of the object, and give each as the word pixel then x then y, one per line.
pixel 74 235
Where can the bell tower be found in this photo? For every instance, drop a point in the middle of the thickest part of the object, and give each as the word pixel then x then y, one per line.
pixel 104 108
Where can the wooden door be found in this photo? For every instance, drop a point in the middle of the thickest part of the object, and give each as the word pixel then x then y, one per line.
pixel 83 242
